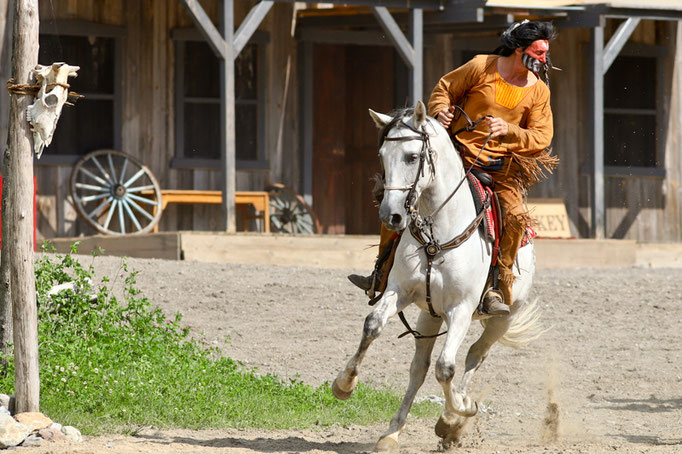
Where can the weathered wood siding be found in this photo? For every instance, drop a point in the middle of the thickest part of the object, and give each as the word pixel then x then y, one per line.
pixel 641 208
pixel 148 107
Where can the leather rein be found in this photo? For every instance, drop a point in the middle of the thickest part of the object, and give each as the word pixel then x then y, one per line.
pixel 420 227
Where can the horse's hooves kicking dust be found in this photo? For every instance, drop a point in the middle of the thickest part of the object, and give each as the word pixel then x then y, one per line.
pixel 450 430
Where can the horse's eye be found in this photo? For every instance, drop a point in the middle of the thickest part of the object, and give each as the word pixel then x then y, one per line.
pixel 411 159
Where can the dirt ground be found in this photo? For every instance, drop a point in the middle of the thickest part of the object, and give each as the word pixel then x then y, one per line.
pixel 610 367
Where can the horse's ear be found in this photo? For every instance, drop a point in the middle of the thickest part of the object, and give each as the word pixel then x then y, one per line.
pixel 419 114
pixel 380 119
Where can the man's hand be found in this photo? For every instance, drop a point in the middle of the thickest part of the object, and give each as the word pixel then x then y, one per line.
pixel 445 117
pixel 497 126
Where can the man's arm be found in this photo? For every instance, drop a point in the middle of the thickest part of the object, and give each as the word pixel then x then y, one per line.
pixel 450 89
pixel 539 130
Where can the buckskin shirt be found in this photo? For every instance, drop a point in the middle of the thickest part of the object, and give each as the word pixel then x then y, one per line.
pixel 479 90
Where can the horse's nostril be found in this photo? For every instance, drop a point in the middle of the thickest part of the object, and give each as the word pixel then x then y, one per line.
pixel 396 219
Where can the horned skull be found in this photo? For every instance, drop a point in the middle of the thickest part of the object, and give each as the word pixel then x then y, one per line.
pixel 45 111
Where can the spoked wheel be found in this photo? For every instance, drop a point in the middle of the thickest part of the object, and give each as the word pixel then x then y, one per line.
pixel 289 213
pixel 115 193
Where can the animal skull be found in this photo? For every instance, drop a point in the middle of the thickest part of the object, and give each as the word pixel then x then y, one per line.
pixel 45 111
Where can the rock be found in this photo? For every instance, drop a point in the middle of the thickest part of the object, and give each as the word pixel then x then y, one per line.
pixel 7 401
pixel 51 434
pixel 32 441
pixel 11 432
pixel 72 433
pixel 34 420
pixel 4 410
pixel 56 426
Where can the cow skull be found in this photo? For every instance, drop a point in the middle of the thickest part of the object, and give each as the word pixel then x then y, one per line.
pixel 45 111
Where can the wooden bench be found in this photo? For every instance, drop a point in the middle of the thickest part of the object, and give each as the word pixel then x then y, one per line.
pixel 259 199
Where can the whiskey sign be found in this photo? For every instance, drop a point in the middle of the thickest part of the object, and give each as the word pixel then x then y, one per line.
pixel 551 218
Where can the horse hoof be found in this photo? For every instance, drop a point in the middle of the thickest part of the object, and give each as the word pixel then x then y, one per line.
pixel 450 430
pixel 386 444
pixel 340 393
pixel 442 428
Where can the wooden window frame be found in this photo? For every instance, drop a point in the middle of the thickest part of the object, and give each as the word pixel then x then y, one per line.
pixel 659 53
pixel 180 36
pixel 84 28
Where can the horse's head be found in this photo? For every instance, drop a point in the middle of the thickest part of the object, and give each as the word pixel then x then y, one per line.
pixel 408 161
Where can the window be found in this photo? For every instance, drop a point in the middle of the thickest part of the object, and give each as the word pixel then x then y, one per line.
pixel 198 103
pixel 94 123
pixel 633 137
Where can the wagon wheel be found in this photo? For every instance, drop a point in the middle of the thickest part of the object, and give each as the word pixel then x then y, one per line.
pixel 289 213
pixel 115 193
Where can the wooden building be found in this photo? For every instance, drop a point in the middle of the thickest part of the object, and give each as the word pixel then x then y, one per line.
pixel 304 81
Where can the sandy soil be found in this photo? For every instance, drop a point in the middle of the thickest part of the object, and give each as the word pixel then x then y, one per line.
pixel 610 365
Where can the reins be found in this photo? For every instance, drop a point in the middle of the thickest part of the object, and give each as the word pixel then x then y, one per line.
pixel 418 225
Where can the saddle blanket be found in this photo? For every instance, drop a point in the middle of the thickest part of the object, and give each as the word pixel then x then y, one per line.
pixel 491 225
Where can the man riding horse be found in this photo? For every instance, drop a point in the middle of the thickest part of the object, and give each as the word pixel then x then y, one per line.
pixel 510 89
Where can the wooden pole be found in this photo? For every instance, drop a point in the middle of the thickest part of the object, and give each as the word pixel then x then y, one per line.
pixel 19 236
pixel 6 21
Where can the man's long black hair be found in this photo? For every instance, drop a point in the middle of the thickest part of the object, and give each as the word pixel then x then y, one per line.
pixel 521 35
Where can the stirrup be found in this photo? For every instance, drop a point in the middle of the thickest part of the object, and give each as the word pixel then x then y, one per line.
pixel 492 303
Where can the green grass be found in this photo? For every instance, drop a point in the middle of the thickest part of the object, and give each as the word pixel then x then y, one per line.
pixel 113 366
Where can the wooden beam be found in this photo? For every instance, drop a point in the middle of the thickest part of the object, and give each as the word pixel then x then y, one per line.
pixel 416 32
pixel 596 109
pixel 305 87
pixel 227 117
pixel 618 40
pixel 395 34
pixel 19 236
pixel 327 36
pixel 250 24
pixel 206 27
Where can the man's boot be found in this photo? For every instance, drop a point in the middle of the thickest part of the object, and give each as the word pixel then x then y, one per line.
pixel 363 282
pixel 493 303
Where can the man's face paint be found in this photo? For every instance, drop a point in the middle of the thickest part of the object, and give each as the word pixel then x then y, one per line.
pixel 535 55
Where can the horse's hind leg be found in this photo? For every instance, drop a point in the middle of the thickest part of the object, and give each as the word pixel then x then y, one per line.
pixel 388 306
pixel 495 328
pixel 426 325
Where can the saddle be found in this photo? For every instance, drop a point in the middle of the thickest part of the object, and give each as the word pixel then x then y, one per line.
pixel 482 185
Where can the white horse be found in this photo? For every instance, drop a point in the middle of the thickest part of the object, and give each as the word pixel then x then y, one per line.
pixel 457 276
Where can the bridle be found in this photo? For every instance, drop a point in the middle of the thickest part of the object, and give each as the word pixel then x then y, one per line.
pixel 420 227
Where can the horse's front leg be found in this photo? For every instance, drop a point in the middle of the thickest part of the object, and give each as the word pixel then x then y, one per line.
pixel 390 304
pixel 428 326
pixel 456 404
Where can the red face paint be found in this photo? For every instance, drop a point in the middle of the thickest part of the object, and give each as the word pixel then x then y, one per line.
pixel 538 50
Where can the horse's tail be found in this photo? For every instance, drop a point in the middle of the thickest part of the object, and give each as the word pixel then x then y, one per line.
pixel 525 326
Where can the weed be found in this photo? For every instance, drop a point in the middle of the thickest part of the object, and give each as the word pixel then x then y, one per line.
pixel 114 366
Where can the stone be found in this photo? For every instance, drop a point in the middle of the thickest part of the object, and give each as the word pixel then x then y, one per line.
pixel 32 441
pixel 72 433
pixel 4 400
pixel 7 401
pixel 4 410
pixel 56 426
pixel 34 420
pixel 12 433
pixel 50 434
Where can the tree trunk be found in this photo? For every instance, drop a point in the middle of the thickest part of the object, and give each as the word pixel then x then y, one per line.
pixel 6 20
pixel 5 293
pixel 19 236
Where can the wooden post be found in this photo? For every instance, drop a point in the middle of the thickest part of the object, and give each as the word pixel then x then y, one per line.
pixel 20 211
pixel 227 117
pixel 6 21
